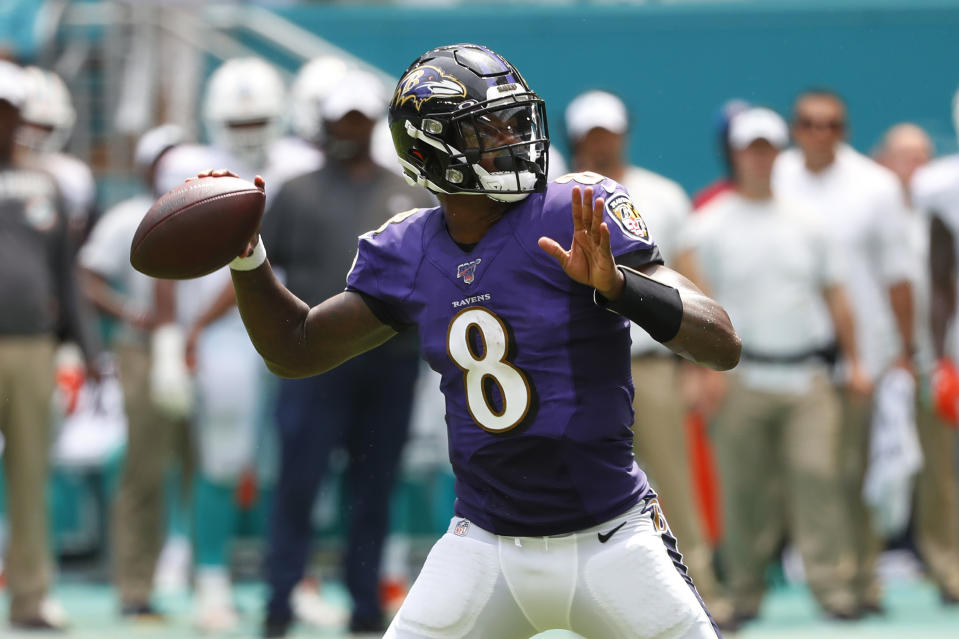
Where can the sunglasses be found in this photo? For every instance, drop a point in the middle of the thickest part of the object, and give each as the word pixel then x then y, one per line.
pixel 830 125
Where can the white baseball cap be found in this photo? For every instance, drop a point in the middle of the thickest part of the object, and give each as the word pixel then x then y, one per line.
pixel 358 91
pixel 757 123
pixel 13 84
pixel 596 110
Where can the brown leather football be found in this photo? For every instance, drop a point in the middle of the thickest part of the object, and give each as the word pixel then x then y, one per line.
pixel 197 228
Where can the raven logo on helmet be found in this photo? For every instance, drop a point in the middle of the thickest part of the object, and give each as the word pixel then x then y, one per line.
pixel 425 83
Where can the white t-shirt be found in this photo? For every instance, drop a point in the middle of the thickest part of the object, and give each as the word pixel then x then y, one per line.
pixel 860 205
pixel 935 190
pixel 665 209
pixel 75 181
pixel 767 263
pixel 107 253
pixel 290 157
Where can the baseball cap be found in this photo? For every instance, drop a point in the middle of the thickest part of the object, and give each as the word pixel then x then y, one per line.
pixel 757 124
pixel 154 142
pixel 13 84
pixel 595 109
pixel 357 91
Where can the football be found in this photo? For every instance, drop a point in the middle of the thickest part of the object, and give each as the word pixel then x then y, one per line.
pixel 197 228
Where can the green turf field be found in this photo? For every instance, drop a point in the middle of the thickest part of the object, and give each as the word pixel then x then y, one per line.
pixel 914 612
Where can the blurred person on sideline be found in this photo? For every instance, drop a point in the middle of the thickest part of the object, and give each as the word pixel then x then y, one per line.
pixel 777 432
pixel 47 121
pixel 932 189
pixel 41 301
pixel 243 110
pixel 313 242
pixel 300 151
pixel 120 292
pixel 724 183
pixel 860 203
pixel 314 81
pixel 597 125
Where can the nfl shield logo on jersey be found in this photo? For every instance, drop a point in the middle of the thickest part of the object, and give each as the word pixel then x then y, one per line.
pixel 468 271
pixel 462 527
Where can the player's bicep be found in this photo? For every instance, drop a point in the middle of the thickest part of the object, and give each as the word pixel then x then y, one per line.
pixel 336 330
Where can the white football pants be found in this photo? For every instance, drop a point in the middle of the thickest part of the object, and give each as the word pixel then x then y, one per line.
pixel 477 585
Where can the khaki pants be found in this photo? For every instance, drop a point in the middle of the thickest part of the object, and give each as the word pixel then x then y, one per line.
pixel 856 425
pixel 778 457
pixel 139 525
pixel 937 529
pixel 26 388
pixel 663 452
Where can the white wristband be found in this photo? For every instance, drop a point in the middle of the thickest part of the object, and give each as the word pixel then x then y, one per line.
pixel 253 261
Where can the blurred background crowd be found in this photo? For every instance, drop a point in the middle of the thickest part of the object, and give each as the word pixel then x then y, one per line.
pixel 795 160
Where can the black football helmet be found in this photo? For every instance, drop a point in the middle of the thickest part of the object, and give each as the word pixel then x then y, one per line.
pixel 464 120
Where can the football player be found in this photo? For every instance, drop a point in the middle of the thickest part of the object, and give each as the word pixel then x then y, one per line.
pixel 243 111
pixel 935 192
pixel 118 291
pixel 45 128
pixel 521 291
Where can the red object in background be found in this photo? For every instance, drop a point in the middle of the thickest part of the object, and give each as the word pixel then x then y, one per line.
pixel 247 490
pixel 705 477
pixel 710 192
pixel 69 382
pixel 945 391
pixel 393 592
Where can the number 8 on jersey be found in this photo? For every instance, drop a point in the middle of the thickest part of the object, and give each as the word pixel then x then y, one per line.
pixel 487 365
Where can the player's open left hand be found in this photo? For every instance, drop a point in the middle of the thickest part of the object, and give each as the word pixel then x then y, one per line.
pixel 258 181
pixel 589 259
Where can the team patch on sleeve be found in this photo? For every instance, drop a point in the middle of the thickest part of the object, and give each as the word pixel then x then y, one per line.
pixel 621 209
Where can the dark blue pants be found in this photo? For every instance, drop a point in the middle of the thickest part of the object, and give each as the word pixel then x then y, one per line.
pixel 362 406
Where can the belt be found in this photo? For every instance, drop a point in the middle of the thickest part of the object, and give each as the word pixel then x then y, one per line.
pixel 825 354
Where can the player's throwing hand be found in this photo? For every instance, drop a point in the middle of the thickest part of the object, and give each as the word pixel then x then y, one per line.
pixel 589 259
pixel 258 181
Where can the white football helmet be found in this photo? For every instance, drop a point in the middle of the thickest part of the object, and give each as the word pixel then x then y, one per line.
pixel 314 82
pixel 47 116
pixel 243 108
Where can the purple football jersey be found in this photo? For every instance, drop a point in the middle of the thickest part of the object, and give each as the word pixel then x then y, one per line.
pixel 536 376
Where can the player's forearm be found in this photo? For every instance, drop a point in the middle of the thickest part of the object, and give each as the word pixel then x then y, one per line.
pixel 901 300
pixel 706 335
pixel 295 340
pixel 225 301
pixel 942 271
pixel 842 320
pixel 77 320
pixel 677 314
pixel 943 309
pixel 101 295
